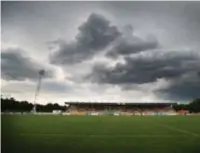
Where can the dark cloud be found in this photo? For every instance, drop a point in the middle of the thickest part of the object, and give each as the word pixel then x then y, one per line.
pixel 145 69
pixel 129 43
pixel 94 35
pixel 16 66
pixel 182 89
pixel 174 24
pixel 181 69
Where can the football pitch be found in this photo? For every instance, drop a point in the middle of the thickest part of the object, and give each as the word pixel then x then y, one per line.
pixel 100 134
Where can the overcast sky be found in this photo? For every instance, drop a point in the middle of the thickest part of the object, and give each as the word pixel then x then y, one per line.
pixel 101 51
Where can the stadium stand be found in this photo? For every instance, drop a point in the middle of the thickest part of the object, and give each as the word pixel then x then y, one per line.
pixel 85 108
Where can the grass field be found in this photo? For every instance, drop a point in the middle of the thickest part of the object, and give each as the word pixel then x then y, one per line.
pixel 100 134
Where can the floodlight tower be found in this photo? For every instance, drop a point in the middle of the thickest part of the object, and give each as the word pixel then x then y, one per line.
pixel 41 74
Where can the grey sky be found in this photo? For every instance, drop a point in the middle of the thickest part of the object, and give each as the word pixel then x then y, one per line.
pixel 103 51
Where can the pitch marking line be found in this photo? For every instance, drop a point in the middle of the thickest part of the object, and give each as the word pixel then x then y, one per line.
pixel 179 130
pixel 102 135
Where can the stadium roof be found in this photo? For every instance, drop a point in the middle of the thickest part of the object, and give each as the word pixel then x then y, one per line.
pixel 122 103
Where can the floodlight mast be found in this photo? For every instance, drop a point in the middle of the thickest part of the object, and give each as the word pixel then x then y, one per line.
pixel 41 74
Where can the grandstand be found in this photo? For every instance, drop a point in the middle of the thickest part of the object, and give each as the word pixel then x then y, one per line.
pixel 94 108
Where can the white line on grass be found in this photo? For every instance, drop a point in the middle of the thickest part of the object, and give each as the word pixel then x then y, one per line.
pixel 102 135
pixel 179 130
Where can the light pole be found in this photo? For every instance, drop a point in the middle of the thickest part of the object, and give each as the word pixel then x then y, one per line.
pixel 41 74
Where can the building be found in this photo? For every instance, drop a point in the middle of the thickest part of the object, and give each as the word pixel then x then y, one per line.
pixel 96 108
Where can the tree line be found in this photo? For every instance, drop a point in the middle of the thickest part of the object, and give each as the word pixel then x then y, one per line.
pixel 12 105
pixel 192 107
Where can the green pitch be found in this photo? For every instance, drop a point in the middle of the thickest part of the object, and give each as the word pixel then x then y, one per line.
pixel 100 134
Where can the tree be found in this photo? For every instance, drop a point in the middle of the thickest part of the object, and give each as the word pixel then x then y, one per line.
pixel 194 106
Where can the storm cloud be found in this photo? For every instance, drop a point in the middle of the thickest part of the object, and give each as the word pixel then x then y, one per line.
pixel 129 43
pixel 186 88
pixel 17 66
pixel 135 51
pixel 94 35
pixel 144 69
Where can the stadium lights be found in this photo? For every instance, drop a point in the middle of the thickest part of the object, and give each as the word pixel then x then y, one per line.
pixel 41 74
